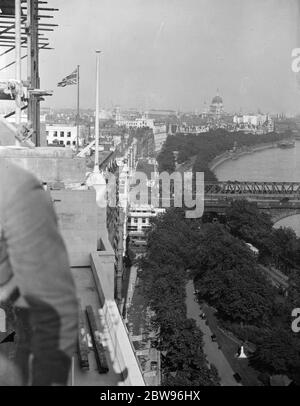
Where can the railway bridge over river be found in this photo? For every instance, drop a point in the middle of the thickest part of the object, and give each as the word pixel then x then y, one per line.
pixel 279 199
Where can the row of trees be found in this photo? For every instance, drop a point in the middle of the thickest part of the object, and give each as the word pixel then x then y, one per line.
pixel 277 247
pixel 206 147
pixel 228 277
pixel 163 273
pixel 225 270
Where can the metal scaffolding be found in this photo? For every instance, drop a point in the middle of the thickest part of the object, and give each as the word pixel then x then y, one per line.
pixel 22 25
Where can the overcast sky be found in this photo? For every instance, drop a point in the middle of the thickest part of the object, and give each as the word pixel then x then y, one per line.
pixel 176 53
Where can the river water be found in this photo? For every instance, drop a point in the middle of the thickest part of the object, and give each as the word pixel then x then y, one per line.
pixel 274 164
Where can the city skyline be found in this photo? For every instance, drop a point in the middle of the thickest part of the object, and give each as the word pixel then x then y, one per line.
pixel 175 54
pixel 149 240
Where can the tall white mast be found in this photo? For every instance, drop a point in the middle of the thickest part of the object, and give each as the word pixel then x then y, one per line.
pixel 96 167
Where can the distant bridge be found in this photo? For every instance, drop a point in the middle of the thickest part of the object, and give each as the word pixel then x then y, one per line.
pixel 283 189
pixel 279 199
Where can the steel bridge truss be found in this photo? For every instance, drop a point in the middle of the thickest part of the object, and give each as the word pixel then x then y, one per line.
pixel 253 188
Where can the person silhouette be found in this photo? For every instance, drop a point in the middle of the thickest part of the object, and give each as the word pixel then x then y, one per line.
pixel 37 291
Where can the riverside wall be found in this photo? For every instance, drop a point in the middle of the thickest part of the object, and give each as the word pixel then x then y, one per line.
pixel 239 152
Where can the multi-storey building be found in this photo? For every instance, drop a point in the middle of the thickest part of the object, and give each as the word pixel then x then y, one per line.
pixel 192 129
pixel 118 164
pixel 253 123
pixel 63 135
pixel 82 221
pixel 140 122
pixel 139 222
pixel 160 135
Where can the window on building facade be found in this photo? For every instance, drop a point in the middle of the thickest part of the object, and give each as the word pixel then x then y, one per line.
pixel 61 142
pixel 62 134
pixel 68 142
pixel 74 142
pixel 55 134
pixel 69 134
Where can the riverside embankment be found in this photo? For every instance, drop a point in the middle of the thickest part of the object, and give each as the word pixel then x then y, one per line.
pixel 238 153
pixel 263 164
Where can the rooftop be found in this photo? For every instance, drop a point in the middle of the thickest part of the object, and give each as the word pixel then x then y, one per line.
pixel 83 226
pixel 123 366
pixel 87 294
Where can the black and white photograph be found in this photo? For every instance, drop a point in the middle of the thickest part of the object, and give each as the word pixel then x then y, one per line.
pixel 150 198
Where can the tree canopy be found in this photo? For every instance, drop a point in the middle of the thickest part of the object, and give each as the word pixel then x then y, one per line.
pixel 227 276
pixel 163 274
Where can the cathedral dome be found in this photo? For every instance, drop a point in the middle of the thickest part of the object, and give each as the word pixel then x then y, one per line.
pixel 217 100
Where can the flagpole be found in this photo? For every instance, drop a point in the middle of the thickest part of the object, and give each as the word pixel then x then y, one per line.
pixel 77 108
pixel 96 166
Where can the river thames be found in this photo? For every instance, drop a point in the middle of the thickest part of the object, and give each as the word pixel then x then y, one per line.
pixel 274 164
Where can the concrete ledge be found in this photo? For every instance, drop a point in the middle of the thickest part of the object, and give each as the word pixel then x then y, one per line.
pixel 103 267
pixel 49 152
pixel 121 349
pixel 78 219
pixel 47 163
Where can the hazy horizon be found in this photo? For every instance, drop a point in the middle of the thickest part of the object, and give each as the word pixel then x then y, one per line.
pixel 174 54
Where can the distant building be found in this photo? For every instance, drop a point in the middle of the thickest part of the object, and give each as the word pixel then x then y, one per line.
pixel 139 223
pixel 192 129
pixel 160 135
pixel 216 109
pixel 251 119
pixel 112 133
pixel 61 134
pixel 116 220
pixel 143 122
pixel 140 213
pixel 161 112
pixel 253 123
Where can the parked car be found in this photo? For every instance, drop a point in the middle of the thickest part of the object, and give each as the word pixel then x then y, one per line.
pixel 237 377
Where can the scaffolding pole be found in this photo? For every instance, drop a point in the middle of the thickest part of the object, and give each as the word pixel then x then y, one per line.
pixel 33 69
pixel 18 61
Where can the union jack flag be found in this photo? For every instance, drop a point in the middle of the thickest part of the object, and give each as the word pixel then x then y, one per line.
pixel 69 80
